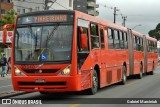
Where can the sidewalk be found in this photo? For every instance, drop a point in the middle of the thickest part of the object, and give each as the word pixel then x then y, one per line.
pixel 8 76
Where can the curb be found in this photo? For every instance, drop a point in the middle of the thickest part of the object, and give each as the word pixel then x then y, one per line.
pixel 10 94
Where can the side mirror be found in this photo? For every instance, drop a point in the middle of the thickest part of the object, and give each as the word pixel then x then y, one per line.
pixel 84 41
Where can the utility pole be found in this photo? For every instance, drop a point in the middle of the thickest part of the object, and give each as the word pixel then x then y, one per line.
pixel 115 10
pixel 124 20
pixel 46 5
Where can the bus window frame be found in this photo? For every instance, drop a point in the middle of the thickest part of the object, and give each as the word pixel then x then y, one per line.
pixel 112 32
pixel 98 36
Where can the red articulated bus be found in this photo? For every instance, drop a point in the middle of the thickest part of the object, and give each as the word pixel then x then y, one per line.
pixel 63 51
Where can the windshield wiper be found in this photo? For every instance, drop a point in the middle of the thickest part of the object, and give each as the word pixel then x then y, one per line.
pixel 32 34
pixel 49 37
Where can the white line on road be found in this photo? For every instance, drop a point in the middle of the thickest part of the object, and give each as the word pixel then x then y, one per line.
pixel 5 86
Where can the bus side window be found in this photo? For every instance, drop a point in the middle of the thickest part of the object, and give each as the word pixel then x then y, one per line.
pixel 125 40
pixel 152 46
pixel 135 43
pixel 102 38
pixel 116 39
pixel 110 39
pixel 121 36
pixel 138 44
pixel 155 47
pixel 142 44
pixel 94 36
pixel 148 44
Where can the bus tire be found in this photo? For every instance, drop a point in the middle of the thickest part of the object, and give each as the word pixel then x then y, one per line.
pixel 140 75
pixel 43 92
pixel 152 72
pixel 124 77
pixel 93 90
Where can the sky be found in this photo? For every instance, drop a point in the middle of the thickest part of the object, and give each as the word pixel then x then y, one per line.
pixel 139 12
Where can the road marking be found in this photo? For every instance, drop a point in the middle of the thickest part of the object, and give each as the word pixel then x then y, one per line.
pixel 5 86
pixel 75 105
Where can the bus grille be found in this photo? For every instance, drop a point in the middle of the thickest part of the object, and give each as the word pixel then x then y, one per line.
pixel 42 84
pixel 36 71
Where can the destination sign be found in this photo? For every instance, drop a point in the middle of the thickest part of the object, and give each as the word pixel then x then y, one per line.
pixel 45 19
pixel 52 18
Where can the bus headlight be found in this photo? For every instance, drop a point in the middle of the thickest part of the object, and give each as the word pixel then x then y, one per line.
pixel 18 72
pixel 66 71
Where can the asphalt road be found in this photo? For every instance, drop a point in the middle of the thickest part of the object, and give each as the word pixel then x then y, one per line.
pixel 147 87
pixel 5 85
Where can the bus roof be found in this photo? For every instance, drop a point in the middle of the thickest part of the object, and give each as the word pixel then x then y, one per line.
pixel 150 38
pixel 47 12
pixel 137 33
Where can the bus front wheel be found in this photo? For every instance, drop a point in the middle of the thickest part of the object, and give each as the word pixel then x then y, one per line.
pixel 43 92
pixel 124 77
pixel 94 87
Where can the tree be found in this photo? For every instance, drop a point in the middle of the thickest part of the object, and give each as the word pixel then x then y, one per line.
pixel 8 18
pixel 155 32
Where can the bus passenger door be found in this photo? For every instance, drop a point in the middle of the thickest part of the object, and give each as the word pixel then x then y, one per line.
pixel 131 52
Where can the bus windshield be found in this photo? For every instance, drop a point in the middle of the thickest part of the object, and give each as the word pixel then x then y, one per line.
pixel 48 43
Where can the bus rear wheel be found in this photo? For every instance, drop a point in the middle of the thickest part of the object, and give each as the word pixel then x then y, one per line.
pixel 94 87
pixel 140 75
pixel 152 72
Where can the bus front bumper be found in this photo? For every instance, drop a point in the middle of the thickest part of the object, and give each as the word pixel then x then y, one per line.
pixel 46 84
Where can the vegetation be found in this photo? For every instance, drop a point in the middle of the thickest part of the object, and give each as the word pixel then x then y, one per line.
pixel 155 32
pixel 8 18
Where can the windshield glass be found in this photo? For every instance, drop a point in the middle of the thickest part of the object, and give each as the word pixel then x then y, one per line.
pixel 43 43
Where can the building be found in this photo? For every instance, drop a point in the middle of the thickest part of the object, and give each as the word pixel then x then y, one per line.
pixel 5 5
pixel 86 6
pixel 61 5
pixel 25 6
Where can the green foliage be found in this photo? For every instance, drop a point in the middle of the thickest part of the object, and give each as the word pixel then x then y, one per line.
pixel 8 18
pixel 155 32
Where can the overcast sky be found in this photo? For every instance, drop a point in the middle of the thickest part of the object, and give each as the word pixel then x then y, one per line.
pixel 144 12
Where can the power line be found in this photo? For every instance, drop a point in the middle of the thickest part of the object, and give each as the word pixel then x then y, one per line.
pixel 106 6
pixel 46 2
pixel 61 5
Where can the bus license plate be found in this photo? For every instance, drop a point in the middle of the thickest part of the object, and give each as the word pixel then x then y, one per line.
pixel 40 81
